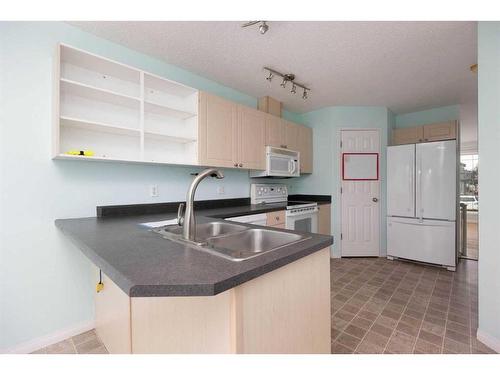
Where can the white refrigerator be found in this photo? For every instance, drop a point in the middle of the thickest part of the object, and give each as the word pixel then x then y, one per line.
pixel 422 202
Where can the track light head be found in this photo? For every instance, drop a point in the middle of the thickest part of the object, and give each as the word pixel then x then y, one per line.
pixel 283 84
pixel 304 95
pixel 270 77
pixel 294 89
pixel 263 27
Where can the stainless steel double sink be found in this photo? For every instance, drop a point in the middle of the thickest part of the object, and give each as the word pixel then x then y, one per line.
pixel 233 241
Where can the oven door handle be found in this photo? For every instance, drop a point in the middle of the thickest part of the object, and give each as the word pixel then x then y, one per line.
pixel 303 213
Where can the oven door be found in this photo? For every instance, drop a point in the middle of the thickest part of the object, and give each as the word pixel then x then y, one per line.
pixel 306 221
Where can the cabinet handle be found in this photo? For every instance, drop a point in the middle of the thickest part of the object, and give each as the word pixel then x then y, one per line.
pixel 426 139
pixel 420 140
pixel 241 165
pixel 277 218
pixel 236 164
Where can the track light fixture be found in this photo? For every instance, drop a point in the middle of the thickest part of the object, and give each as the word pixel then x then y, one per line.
pixel 286 78
pixel 263 27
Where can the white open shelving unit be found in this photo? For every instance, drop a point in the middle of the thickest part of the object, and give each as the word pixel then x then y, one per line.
pixel 121 113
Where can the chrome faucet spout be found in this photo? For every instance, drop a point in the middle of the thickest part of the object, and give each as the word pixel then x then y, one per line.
pixel 189 225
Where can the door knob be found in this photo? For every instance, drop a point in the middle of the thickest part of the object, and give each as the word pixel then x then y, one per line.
pixel 375 200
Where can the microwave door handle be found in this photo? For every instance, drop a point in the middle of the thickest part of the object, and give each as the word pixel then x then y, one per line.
pixel 292 166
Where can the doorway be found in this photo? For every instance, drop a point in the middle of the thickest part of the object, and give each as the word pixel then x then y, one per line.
pixel 360 193
pixel 469 203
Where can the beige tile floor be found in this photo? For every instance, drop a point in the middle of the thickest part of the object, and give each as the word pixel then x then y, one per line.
pixel 382 306
pixel 85 343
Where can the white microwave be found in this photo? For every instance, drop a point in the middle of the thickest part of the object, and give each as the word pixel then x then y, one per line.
pixel 280 162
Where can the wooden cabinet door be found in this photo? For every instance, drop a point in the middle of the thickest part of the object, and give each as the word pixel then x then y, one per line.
pixel 305 142
pixel 292 135
pixel 440 131
pixel 275 131
pixel 276 218
pixel 217 136
pixel 408 135
pixel 324 220
pixel 251 138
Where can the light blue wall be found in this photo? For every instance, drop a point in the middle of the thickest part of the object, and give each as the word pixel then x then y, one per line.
pixel 489 180
pixel 326 123
pixel 440 114
pixel 45 283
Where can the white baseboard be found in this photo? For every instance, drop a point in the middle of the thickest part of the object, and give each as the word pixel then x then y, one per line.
pixel 488 340
pixel 52 338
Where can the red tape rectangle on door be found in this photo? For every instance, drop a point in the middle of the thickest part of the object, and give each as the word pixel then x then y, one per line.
pixel 360 166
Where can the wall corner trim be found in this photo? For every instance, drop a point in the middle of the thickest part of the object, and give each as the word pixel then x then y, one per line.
pixel 52 338
pixel 488 340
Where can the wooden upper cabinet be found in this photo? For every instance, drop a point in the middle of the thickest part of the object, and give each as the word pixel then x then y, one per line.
pixel 217 131
pixel 408 135
pixel 306 149
pixel 234 136
pixel 440 131
pixel 251 138
pixel 292 135
pixel 275 131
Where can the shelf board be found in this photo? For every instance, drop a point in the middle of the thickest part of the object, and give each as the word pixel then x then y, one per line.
pixel 95 93
pixel 167 86
pixel 117 160
pixel 167 111
pixel 97 126
pixel 166 137
pixel 90 61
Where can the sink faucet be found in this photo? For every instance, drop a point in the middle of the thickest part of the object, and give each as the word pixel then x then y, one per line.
pixel 188 223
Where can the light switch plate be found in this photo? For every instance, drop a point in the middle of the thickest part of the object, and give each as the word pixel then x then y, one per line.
pixel 153 190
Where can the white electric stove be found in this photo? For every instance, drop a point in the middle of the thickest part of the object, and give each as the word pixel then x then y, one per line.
pixel 300 215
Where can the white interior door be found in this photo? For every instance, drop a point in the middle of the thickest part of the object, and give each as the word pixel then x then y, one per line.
pixel 401 181
pixel 436 180
pixel 360 200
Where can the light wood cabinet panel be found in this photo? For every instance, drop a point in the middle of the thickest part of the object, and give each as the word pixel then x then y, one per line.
pixel 305 142
pixel 251 138
pixel 408 135
pixel 194 324
pixel 324 219
pixel 284 311
pixel 275 131
pixel 218 123
pixel 269 105
pixel 288 310
pixel 440 131
pixel 112 317
pixel 275 218
pixel 292 135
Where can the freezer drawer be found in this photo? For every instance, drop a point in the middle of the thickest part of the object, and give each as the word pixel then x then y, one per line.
pixel 431 241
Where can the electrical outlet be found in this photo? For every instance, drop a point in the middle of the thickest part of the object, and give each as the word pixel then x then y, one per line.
pixel 220 190
pixel 153 190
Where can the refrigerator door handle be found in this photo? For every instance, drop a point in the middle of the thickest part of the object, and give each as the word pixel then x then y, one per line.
pixel 419 213
pixel 411 182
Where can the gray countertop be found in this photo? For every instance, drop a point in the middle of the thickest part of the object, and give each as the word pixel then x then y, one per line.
pixel 144 264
